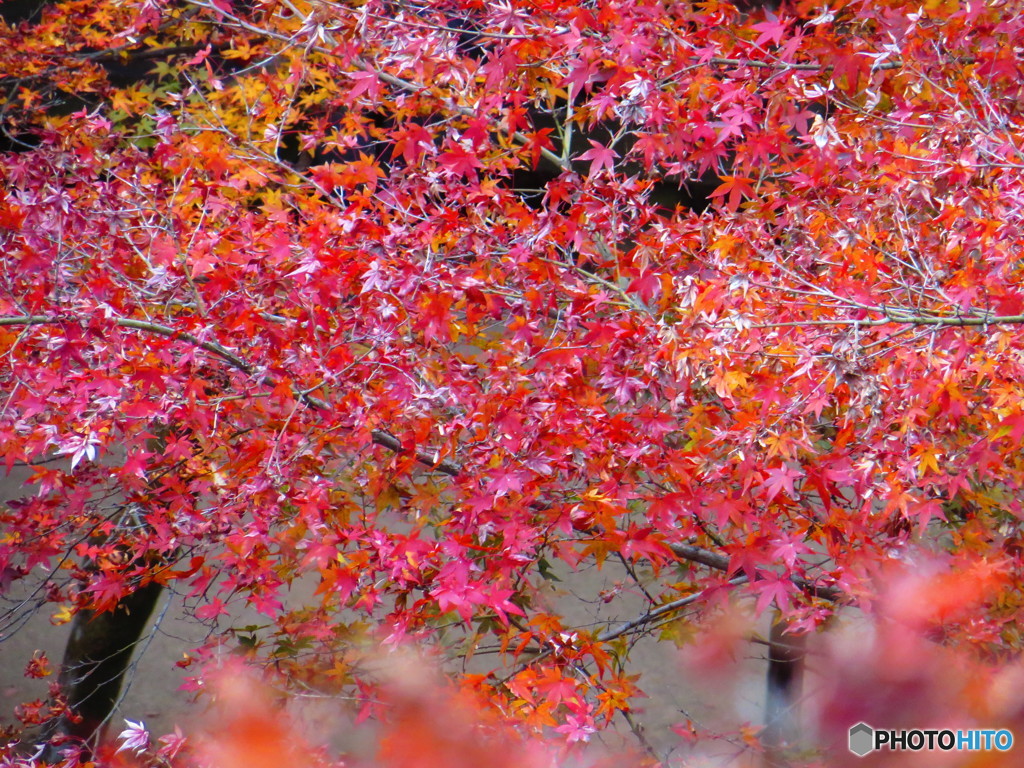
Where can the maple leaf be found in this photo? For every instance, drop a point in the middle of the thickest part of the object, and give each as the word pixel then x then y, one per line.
pixel 364 82
pixel 578 727
pixel 499 600
pixel 774 591
pixel 581 76
pixel 600 156
pixel 773 29
pixel 106 590
pixel 134 737
pixel 780 479
pixel 536 142
pixel 735 188
pixel 212 610
pixel 460 161
pixel 412 141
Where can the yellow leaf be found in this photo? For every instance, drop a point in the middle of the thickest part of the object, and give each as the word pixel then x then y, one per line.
pixel 62 616
pixel 927 461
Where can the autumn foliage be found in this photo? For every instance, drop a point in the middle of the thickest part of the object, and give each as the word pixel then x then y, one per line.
pixel 431 305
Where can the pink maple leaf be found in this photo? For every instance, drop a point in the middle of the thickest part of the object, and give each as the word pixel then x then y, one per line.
pixel 600 157
pixel 135 737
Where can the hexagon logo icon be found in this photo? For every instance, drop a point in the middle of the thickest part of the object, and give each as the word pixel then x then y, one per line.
pixel 862 738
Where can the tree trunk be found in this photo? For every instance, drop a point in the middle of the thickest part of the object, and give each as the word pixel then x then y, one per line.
pixel 95 660
pixel 786 656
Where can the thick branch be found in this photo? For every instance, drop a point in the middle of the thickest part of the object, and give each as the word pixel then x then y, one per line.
pixel 783 66
pixel 721 562
pixel 895 316
pixel 141 325
pixel 380 437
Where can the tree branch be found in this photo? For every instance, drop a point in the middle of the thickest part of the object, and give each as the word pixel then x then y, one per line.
pixel 896 316
pixel 721 562
pixel 380 437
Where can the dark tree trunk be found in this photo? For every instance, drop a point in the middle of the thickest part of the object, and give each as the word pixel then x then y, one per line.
pixel 95 660
pixel 786 657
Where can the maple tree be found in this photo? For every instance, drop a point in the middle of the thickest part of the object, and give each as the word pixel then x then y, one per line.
pixel 431 303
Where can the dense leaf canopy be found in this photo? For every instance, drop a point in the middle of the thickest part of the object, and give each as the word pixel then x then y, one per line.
pixel 429 303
